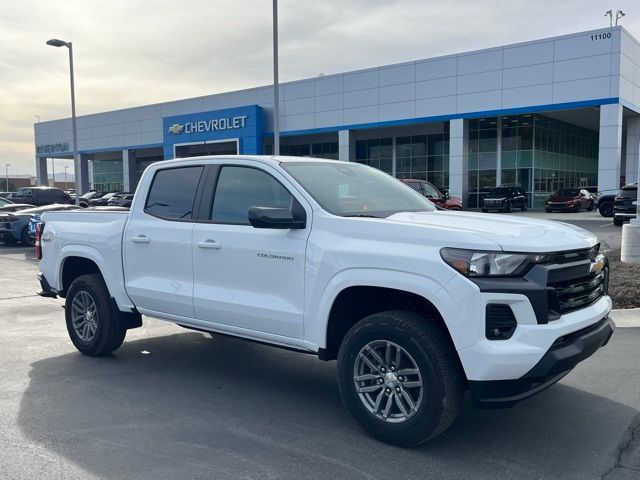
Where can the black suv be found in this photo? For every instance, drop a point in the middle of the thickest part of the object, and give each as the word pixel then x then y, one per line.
pixel 40 196
pixel 623 205
pixel 505 198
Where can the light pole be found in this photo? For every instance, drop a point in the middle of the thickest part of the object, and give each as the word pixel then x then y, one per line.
pixel 76 160
pixel 65 177
pixel 6 173
pixel 276 87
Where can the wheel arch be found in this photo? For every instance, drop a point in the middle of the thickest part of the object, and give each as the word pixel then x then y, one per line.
pixel 74 266
pixel 355 302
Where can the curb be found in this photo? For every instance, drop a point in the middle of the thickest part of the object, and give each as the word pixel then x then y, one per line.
pixel 627 318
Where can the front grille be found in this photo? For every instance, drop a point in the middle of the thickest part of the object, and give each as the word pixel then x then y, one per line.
pixel 572 256
pixel 570 295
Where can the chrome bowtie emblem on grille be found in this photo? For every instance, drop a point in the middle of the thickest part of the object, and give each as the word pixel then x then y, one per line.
pixel 176 129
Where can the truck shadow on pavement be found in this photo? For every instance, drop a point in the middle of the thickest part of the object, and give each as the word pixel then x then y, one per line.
pixel 190 406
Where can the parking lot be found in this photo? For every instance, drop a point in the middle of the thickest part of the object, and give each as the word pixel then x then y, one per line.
pixel 173 403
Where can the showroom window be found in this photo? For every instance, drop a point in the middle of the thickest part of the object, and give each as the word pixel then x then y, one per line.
pixel 483 157
pixel 377 153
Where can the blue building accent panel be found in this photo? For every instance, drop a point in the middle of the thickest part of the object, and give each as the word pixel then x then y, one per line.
pixel 242 123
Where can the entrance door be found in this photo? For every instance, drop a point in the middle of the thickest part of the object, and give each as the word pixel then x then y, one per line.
pixel 245 277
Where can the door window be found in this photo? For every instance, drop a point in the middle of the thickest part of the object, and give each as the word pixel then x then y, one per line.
pixel 240 188
pixel 430 191
pixel 173 192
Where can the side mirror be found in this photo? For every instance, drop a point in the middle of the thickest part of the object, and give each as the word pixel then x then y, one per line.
pixel 282 218
pixel 446 195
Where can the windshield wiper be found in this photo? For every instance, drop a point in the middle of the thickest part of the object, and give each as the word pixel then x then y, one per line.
pixel 361 215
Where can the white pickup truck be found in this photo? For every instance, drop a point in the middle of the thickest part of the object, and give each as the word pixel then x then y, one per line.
pixel 343 261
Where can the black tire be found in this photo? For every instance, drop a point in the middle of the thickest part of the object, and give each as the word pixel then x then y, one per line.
pixel 484 210
pixel 109 332
pixel 524 207
pixel 508 208
pixel 606 209
pixel 548 210
pixel 436 360
pixel 617 221
pixel 24 237
pixel 590 207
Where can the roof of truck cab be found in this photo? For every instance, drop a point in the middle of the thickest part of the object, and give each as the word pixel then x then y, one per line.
pixel 271 159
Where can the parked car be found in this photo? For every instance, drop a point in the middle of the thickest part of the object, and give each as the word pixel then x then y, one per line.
pixel 41 196
pixel 569 200
pixel 14 207
pixel 123 201
pixel 103 199
pixel 505 198
pixel 442 200
pixel 624 206
pixel 342 261
pixel 5 201
pixel 14 225
pixel 7 195
pixel 604 202
pixel 116 199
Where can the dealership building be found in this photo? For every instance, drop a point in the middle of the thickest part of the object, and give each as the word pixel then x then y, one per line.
pixel 553 113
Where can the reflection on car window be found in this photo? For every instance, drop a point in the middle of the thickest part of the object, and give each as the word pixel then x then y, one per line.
pixel 173 192
pixel 351 189
pixel 240 188
pixel 430 190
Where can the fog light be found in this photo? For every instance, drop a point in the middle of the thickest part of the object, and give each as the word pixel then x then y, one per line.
pixel 500 322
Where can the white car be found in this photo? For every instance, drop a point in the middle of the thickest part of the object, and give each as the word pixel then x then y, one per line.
pixel 343 261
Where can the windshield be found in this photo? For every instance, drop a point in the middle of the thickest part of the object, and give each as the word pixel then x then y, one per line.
pixel 500 191
pixel 352 189
pixel 567 192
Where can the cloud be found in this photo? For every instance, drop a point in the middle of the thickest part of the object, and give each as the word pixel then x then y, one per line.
pixel 131 53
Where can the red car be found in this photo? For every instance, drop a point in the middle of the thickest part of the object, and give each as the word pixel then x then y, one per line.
pixel 442 200
pixel 569 200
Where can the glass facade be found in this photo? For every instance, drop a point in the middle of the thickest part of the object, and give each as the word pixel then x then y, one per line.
pixel 566 156
pixel 422 157
pixel 107 175
pixel 537 153
pixel 377 153
pixel 318 150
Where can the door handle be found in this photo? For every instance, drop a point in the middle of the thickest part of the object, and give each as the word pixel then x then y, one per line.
pixel 141 239
pixel 210 244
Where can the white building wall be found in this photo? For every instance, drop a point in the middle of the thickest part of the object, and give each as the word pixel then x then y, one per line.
pixel 580 67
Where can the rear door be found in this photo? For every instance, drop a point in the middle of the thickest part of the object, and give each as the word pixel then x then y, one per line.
pixel 158 240
pixel 249 278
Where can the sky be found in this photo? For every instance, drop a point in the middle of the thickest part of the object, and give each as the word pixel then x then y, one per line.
pixel 136 52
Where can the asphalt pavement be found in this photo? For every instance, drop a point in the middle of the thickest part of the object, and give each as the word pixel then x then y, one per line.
pixel 177 404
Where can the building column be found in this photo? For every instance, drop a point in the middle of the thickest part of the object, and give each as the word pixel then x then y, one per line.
pixel 346 146
pixel 129 171
pixel 82 177
pixel 633 149
pixel 90 172
pixel 42 179
pixel 610 148
pixel 459 158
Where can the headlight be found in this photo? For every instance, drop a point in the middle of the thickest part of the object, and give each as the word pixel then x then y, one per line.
pixel 488 264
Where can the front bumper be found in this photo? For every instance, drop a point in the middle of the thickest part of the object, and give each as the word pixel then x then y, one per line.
pixel 46 290
pixel 563 355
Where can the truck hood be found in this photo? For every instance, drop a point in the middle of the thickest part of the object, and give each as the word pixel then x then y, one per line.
pixel 512 233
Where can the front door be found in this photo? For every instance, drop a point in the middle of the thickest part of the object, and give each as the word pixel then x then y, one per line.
pixel 158 244
pixel 250 279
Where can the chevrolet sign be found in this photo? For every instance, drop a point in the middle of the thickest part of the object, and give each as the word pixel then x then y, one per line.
pixel 216 124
